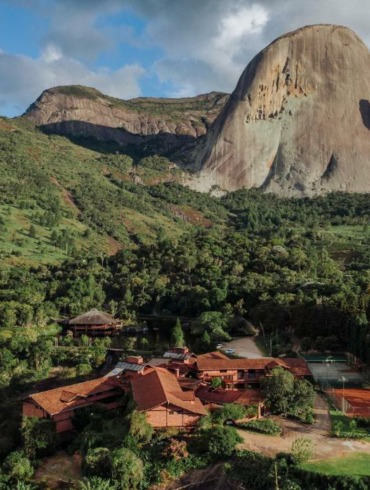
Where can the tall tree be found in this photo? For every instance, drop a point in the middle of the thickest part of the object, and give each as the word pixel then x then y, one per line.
pixel 287 395
pixel 177 335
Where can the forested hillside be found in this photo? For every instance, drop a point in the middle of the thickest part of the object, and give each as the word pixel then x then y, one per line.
pixel 83 228
pixel 60 200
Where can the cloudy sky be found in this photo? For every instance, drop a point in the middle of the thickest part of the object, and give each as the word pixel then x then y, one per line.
pixel 128 48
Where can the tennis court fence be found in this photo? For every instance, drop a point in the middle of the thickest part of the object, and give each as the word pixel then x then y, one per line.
pixel 340 401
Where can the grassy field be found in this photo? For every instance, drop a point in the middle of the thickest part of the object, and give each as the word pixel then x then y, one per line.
pixel 357 464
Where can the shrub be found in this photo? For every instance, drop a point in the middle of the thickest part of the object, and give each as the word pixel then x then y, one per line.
pixel 229 411
pixel 302 449
pixel 98 462
pixel 83 369
pixel 222 441
pixel 17 466
pixel 265 426
pixel 127 469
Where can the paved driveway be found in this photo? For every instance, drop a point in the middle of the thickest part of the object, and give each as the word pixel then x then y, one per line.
pixel 244 347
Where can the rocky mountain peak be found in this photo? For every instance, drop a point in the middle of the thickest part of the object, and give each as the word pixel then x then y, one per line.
pixel 298 121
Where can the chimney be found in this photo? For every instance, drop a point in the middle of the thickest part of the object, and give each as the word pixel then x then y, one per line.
pixel 180 350
pixel 135 360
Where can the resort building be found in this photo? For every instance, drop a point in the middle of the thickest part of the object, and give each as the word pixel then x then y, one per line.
pixel 61 403
pixel 241 373
pixel 159 394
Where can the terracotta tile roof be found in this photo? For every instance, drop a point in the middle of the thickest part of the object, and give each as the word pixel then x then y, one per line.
pixel 183 369
pixel 73 396
pixel 250 397
pixel 159 387
pixel 212 355
pixel 220 396
pixel 297 366
pixel 212 364
pixel 189 383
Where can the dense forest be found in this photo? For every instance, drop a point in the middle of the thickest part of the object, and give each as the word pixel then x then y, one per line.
pixel 85 229
pixel 281 264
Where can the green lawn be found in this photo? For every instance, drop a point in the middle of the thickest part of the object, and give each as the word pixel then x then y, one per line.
pixel 357 464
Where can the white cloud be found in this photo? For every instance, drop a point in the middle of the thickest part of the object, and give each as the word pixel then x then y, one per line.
pixel 22 79
pixel 51 53
pixel 205 44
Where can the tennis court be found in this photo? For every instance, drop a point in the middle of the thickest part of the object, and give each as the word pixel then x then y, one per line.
pixel 341 383
pixel 335 374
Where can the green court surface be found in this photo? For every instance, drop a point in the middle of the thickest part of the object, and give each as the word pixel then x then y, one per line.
pixel 337 374
pixel 325 358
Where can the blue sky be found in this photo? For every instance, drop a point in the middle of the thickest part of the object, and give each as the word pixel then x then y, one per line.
pixel 131 48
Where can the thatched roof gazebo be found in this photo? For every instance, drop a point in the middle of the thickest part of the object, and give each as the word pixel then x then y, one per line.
pixel 93 322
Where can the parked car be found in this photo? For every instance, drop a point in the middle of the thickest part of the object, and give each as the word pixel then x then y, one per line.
pixel 219 346
pixel 229 351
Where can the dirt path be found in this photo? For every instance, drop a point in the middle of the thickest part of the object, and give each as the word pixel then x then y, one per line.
pixel 66 195
pixel 325 446
pixel 244 347
pixel 59 468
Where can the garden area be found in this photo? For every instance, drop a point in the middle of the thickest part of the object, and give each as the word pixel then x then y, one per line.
pixel 348 427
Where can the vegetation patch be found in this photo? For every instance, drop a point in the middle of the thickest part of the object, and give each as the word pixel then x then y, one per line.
pixel 357 464
pixel 264 426
pixel 349 427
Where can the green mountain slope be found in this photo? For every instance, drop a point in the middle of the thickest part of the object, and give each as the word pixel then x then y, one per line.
pixel 59 199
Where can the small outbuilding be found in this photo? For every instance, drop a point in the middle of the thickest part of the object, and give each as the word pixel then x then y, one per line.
pixel 93 323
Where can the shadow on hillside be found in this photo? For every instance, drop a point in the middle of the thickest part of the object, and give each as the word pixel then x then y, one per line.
pixel 105 139
pixel 365 112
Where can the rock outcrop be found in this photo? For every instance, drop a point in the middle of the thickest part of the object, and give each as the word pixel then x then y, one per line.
pixel 298 122
pixel 162 125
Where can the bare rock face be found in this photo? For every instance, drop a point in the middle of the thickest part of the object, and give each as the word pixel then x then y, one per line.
pixel 164 124
pixel 298 122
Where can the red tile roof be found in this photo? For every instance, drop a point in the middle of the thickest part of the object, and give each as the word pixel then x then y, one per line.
pixel 73 396
pixel 159 387
pixel 250 397
pixel 213 355
pixel 220 396
pixel 297 366
pixel 217 396
pixel 189 383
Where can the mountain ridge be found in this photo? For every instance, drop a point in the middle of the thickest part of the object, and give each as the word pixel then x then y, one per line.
pixel 164 125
